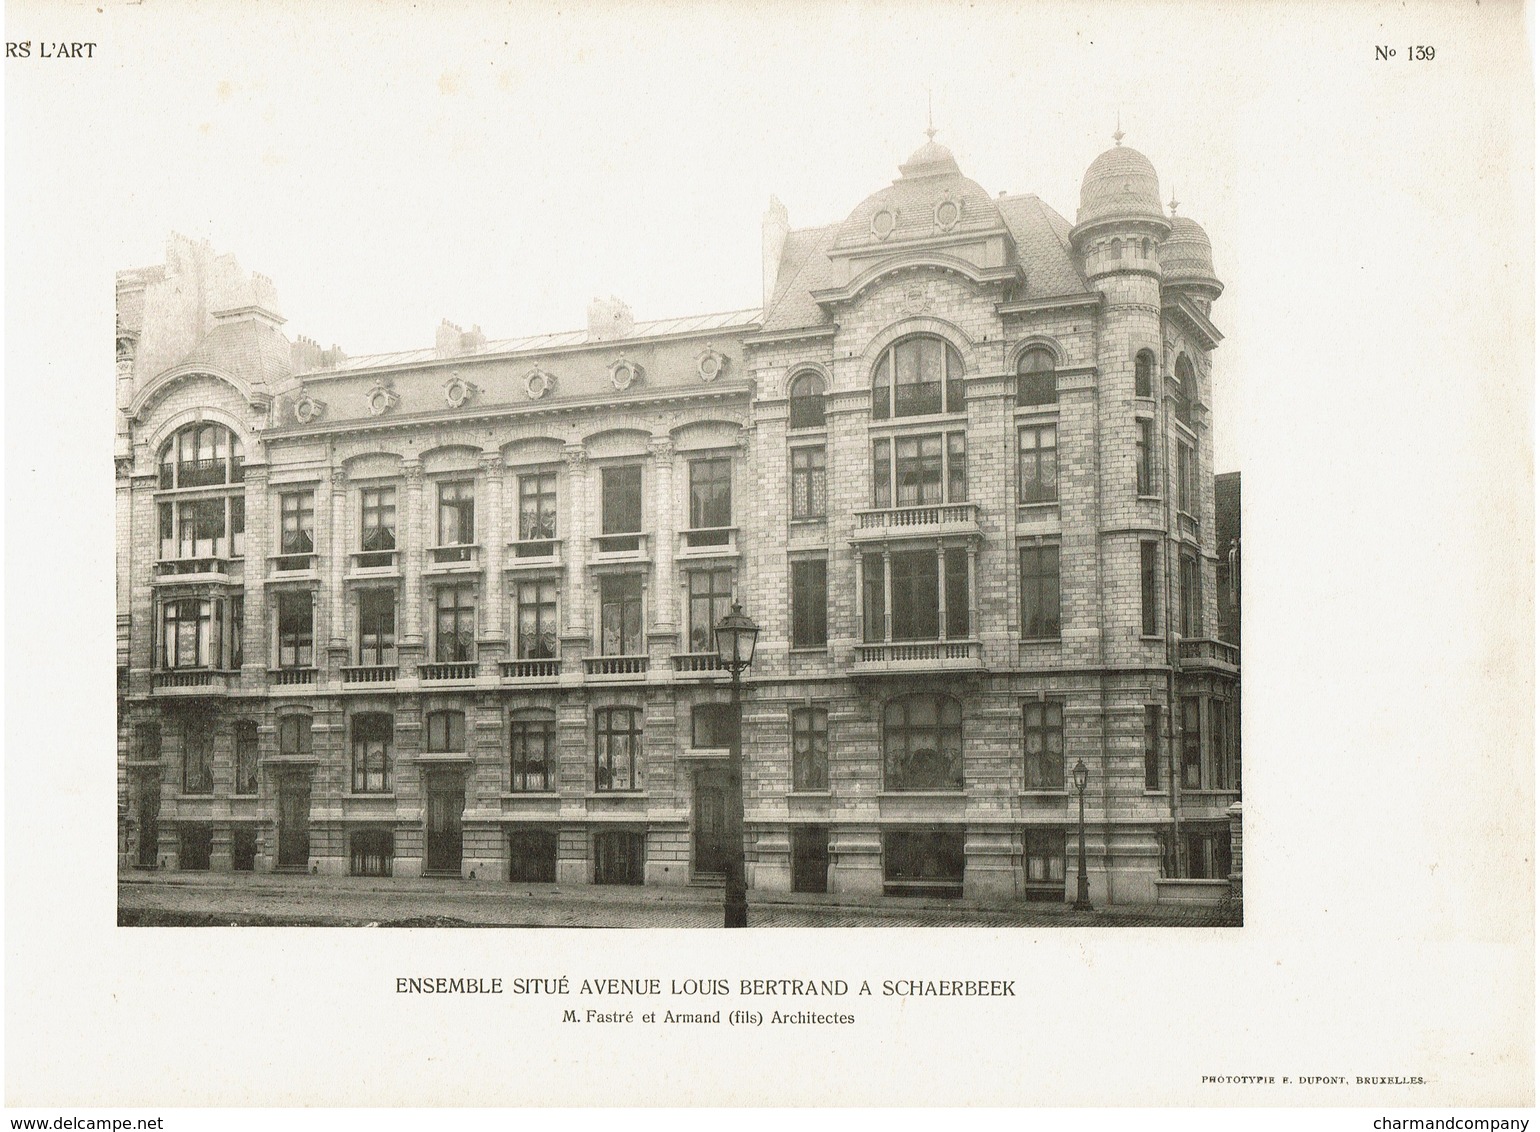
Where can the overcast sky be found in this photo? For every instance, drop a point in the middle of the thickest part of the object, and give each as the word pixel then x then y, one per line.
pixel 503 166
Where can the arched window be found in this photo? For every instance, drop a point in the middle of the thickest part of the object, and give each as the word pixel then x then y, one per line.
pixel 446 732
pixel 917 376
pixel 922 743
pixel 1144 249
pixel 806 395
pixel 532 750
pixel 1117 249
pixel 1187 391
pixel 201 455
pixel 371 753
pixel 1035 380
pixel 1144 374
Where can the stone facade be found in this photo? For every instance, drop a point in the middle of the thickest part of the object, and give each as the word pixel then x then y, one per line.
pixel 448 610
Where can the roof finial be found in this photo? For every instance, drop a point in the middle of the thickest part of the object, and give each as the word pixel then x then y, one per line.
pixel 1117 134
pixel 1174 201
pixel 930 123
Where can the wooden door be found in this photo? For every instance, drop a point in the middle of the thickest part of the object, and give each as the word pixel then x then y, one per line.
pixel 294 823
pixel 149 821
pixel 710 822
pixel 446 805
pixel 810 858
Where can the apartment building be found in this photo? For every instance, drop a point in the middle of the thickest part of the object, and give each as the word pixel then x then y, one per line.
pixel 449 611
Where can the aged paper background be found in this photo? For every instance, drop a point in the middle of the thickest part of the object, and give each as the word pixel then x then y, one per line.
pixel 1373 222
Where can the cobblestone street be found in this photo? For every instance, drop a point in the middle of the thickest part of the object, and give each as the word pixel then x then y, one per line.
pixel 226 900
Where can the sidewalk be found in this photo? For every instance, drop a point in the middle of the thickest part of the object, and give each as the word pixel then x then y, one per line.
pixel 259 899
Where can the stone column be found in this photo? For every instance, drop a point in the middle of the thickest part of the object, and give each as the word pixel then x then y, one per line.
pixel 494 629
pixel 665 603
pixel 941 581
pixel 410 549
pixel 259 541
pixel 336 567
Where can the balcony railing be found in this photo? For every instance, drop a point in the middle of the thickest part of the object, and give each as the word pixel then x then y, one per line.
pixel 463 555
pixel 171 567
pixel 196 680
pixel 547 669
pixel 301 560
pixel 620 547
pixel 703 542
pixel 615 665
pixel 698 662
pixel 454 670
pixel 900 522
pixel 919 656
pixel 527 553
pixel 369 674
pixel 281 677
pixel 1207 651
pixel 373 559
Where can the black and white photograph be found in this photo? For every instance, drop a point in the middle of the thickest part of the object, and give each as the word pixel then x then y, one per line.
pixel 667 468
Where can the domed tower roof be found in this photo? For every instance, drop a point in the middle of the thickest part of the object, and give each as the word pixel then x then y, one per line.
pixel 930 197
pixel 1187 258
pixel 1120 185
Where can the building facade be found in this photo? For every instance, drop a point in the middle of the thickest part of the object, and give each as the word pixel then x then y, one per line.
pixel 450 611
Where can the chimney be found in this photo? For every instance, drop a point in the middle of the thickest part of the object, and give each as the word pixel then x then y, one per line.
pixel 609 319
pixel 472 341
pixel 776 227
pixel 446 343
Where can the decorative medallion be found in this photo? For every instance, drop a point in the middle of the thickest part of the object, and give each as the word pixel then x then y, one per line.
pixel 538 383
pixel 883 222
pixel 948 212
pixel 710 364
pixel 457 391
pixel 624 374
pixel 917 298
pixel 381 399
pixel 308 409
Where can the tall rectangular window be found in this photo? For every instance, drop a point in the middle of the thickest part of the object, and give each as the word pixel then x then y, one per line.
pixel 296 511
pixel 1220 777
pixel 809 485
pixel 922 470
pixel 617 745
pixel 537 508
pixel 711 596
pixel 296 629
pixel 1185 498
pixel 957 614
pixel 457 515
pixel 1042 733
pixel 535 610
pixel 371 753
pixel 620 615
pixel 168 543
pixel 1192 748
pixel 197 758
pixel 1040 590
pixel 455 615
pixel 532 747
pixel 376 627
pixel 882 473
pixel 809 749
pixel 1148 553
pixel 188 639
pixel 916 596
pixel 918 460
pixel 237 526
pixel 1038 467
pixel 711 494
pixel 621 488
pixel 1151 747
pixel 1192 610
pixel 201 523
pixel 809 603
pixel 1144 431
pixel 712 725
pixel 874 619
pixel 956 467
pixel 148 738
pixel 237 630
pixel 1044 862
pixel 245 756
pixel 294 735
pixel 378 535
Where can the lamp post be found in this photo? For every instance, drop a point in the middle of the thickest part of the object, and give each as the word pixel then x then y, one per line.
pixel 1082 882
pixel 736 634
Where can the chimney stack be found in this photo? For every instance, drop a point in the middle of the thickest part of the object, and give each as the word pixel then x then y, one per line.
pixel 776 227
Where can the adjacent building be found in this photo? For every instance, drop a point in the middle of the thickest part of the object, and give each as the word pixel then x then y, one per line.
pixel 449 611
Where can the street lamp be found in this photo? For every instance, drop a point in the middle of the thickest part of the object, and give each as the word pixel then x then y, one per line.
pixel 735 636
pixel 1082 883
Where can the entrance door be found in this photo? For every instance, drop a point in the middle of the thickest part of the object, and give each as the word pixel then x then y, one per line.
pixel 710 822
pixel 446 804
pixel 294 823
pixel 810 858
pixel 149 821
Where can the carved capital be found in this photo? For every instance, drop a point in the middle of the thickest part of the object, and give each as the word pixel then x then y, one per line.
pixel 576 456
pixel 412 471
pixel 492 464
pixel 745 438
pixel 662 448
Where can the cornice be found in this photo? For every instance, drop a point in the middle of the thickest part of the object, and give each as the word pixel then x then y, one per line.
pixel 1182 309
pixel 767 337
pixel 1051 303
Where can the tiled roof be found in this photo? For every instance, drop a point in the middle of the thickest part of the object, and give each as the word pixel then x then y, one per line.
pixel 251 350
pixel 536 343
pixel 805 268
pixel 1042 247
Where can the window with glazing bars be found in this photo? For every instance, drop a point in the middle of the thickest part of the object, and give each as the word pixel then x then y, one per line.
pixel 371 753
pixel 1185 497
pixel 245 756
pixel 1144 370
pixel 378 536
pixel 1144 432
pixel 711 597
pixel 455 639
pixel 1148 557
pixel 617 745
pixel 915 377
pixel 1192 610
pixel 1042 734
pixel 294 735
pixel 296 523
pixel 621 488
pixel 1038 464
pixel 456 514
pixel 1036 383
pixel 809 749
pixel 377 627
pixel 806 396
pixel 809 603
pixel 535 611
pixel 537 509
pixel 532 751
pixel 446 732
pixel 1040 590
pixel 1192 743
pixel 197 758
pixel 296 631
pixel 620 615
pixel 1044 858
pixel 711 500
pixel 809 483
pixel 922 743
pixel 920 466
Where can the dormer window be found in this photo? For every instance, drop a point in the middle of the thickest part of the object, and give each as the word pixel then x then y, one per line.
pixel 1036 383
pixel 918 376
pixel 807 401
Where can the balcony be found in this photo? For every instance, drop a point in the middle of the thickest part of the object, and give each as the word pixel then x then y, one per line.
pixel 544 671
pixel 618 668
pixel 709 542
pixel 193 682
pixel 898 657
pixel 1209 653
pixel 369 674
pixel 631 547
pixel 701 664
pixel 933 520
pixel 533 554
pixel 285 677
pixel 297 562
pixel 453 670
pixel 206 569
pixel 368 562
pixel 454 558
